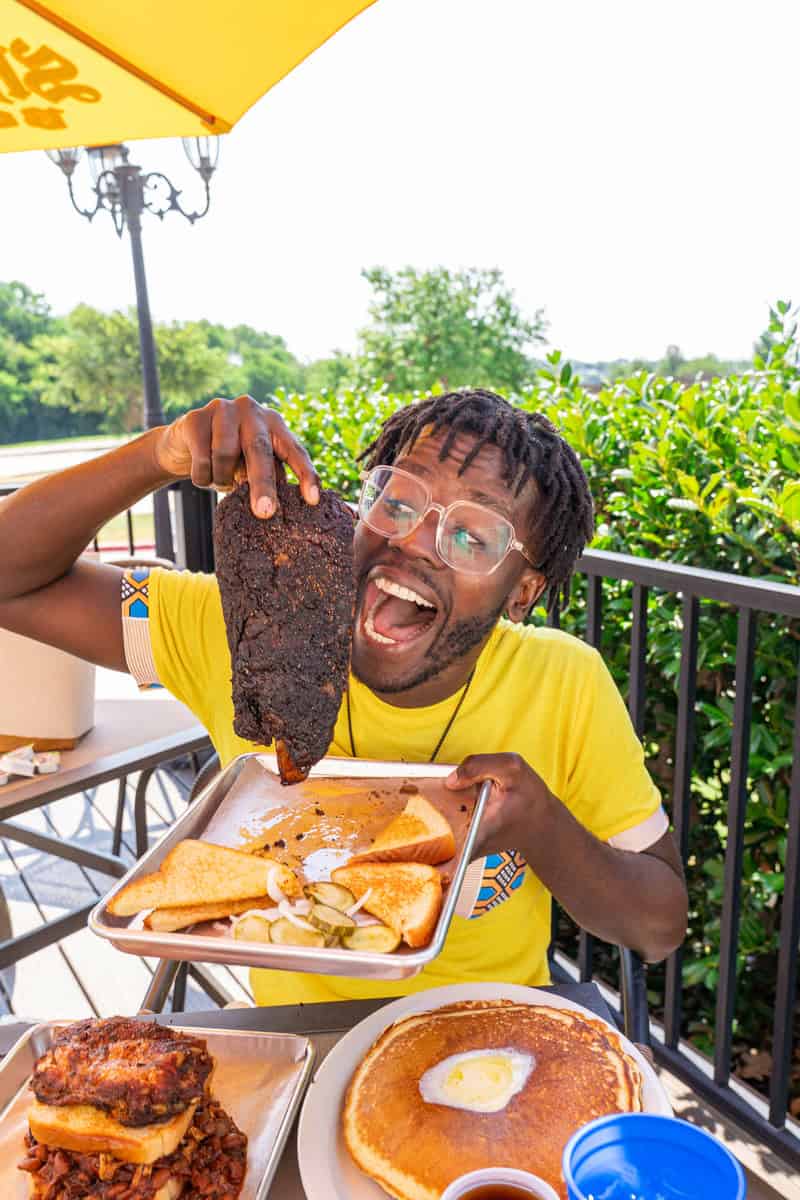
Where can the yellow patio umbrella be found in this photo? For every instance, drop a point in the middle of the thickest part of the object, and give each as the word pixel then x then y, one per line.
pixel 93 72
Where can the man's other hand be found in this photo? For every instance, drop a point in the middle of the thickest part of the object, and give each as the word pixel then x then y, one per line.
pixel 228 441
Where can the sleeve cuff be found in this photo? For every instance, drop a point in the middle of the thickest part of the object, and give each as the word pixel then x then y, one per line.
pixel 640 836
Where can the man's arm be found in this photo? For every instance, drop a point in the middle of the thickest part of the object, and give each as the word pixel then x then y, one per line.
pixel 638 899
pixel 47 594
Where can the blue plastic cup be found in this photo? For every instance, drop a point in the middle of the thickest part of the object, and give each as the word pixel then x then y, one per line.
pixel 641 1156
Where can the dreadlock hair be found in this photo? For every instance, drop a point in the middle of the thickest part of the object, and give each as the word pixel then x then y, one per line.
pixel 532 449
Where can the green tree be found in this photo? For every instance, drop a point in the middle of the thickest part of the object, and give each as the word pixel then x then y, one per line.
pixel 257 363
pixel 329 374
pixel 451 328
pixel 23 312
pixel 94 366
pixel 16 364
pixel 25 316
pixel 673 364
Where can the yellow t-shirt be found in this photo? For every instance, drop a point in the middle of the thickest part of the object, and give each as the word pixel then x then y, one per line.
pixel 538 692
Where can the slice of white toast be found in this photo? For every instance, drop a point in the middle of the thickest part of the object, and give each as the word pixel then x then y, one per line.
pixel 406 896
pixel 203 873
pixel 420 833
pixel 87 1130
pixel 168 920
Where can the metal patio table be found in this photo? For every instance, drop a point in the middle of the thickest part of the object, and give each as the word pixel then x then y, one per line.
pixel 129 735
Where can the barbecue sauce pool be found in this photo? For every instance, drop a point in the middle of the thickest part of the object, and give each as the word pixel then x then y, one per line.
pixel 498 1191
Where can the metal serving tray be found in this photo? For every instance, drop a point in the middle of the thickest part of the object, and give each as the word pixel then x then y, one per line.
pixel 127 934
pixel 260 1079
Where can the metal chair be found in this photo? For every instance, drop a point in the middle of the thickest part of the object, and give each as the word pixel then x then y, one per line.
pixel 635 1018
pixel 209 769
pixel 633 989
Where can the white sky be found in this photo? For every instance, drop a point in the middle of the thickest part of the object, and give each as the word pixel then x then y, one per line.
pixel 631 165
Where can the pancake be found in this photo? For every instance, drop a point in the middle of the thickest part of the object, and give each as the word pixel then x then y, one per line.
pixel 576 1070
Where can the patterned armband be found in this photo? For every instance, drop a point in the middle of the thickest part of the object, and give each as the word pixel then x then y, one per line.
pixel 135 601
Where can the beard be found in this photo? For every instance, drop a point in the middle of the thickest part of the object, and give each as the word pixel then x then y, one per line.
pixel 452 644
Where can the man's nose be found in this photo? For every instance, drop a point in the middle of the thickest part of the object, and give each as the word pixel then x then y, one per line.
pixel 421 542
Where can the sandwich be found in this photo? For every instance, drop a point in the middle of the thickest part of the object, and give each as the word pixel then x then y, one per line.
pixel 406 896
pixel 170 920
pixel 123 1109
pixel 418 834
pixel 197 873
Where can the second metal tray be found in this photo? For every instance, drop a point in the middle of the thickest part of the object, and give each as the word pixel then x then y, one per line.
pixel 259 1080
pixel 128 935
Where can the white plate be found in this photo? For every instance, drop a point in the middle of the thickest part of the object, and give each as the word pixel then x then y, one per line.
pixel 326 1168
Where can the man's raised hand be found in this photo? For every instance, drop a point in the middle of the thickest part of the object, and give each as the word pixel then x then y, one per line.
pixel 227 441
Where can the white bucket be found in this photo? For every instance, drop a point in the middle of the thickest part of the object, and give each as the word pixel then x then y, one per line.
pixel 46 696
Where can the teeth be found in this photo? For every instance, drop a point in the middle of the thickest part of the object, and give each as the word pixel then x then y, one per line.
pixel 396 589
pixel 373 633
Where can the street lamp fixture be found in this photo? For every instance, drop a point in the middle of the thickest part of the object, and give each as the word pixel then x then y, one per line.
pixel 120 188
pixel 202 153
pixel 106 158
pixel 67 159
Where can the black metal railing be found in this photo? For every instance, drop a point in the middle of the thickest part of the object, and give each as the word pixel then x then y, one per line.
pixel 749 597
pixel 192 511
pixel 99 543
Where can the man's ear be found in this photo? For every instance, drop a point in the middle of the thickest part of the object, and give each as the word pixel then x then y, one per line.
pixel 524 595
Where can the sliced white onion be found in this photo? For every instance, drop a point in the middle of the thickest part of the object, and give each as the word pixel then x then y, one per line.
pixel 273 890
pixel 302 907
pixel 359 904
pixel 269 914
pixel 221 927
pixel 287 911
pixel 363 920
pixel 140 918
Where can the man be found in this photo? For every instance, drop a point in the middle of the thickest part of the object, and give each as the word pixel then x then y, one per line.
pixel 472 509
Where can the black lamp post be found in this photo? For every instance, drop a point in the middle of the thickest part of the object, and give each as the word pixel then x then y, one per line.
pixel 121 189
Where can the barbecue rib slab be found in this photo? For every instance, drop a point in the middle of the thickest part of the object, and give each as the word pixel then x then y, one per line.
pixel 136 1071
pixel 288 596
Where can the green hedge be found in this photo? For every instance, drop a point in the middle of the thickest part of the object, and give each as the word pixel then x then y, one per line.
pixel 707 475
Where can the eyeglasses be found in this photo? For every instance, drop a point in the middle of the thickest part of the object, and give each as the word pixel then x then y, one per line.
pixel 469 537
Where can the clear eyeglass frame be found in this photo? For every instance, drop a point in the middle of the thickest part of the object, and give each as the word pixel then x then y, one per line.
pixel 444 513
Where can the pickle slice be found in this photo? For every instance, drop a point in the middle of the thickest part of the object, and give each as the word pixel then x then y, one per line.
pixel 330 893
pixel 331 921
pixel 252 929
pixel 377 939
pixel 285 933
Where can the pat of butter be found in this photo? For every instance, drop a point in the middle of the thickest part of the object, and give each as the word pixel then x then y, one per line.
pixel 481 1081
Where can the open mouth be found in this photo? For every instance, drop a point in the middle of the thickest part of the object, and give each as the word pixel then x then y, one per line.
pixel 393 614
